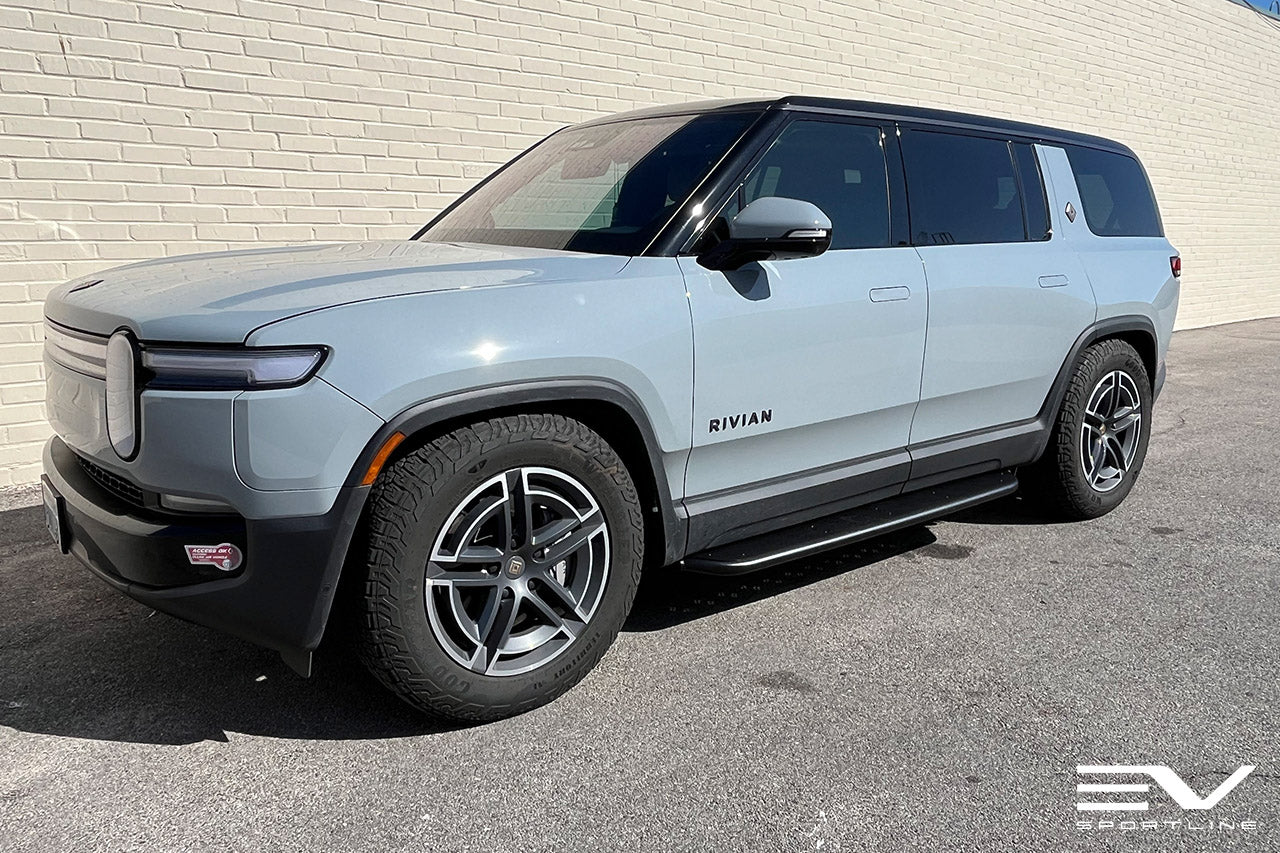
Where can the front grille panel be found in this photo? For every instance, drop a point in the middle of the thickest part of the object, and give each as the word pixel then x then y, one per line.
pixel 78 351
pixel 113 483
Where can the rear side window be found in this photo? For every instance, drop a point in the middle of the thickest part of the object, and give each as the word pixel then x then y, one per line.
pixel 962 189
pixel 1115 194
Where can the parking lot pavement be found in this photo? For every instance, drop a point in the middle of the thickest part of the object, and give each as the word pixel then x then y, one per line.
pixel 930 690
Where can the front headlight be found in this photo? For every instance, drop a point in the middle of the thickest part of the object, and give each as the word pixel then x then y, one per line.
pixel 129 365
pixel 122 396
pixel 229 369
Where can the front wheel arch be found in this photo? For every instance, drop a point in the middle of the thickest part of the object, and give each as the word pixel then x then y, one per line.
pixel 607 407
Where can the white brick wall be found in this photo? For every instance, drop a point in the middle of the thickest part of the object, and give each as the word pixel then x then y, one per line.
pixel 134 130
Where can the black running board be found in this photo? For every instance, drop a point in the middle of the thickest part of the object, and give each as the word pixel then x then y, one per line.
pixel 854 525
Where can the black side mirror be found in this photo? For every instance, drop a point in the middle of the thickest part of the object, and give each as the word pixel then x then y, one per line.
pixel 771 229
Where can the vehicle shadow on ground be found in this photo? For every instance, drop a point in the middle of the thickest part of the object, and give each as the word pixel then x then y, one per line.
pixel 670 597
pixel 79 660
pixel 1015 510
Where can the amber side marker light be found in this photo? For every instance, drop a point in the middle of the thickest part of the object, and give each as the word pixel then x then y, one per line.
pixel 380 459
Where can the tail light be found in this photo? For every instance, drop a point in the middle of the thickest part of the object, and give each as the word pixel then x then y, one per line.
pixel 1175 266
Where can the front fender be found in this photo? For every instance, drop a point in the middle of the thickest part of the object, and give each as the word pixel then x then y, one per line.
pixel 627 340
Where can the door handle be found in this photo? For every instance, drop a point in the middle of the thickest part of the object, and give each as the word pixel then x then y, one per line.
pixel 889 294
pixel 1054 281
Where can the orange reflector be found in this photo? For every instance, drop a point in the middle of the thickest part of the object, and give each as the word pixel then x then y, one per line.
pixel 381 458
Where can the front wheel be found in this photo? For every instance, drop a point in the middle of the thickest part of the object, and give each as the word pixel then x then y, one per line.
pixel 1099 439
pixel 503 558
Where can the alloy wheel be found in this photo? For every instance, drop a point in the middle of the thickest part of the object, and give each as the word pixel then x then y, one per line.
pixel 1111 430
pixel 517 571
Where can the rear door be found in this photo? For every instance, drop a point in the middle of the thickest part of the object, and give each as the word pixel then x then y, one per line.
pixel 807 371
pixel 1007 295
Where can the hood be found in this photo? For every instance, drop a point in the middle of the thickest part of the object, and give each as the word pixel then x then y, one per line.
pixel 221 297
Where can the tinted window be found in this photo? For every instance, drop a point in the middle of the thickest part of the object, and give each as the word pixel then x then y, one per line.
pixel 961 189
pixel 1034 200
pixel 607 189
pixel 1115 194
pixel 839 167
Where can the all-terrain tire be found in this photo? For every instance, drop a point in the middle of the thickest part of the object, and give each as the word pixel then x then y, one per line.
pixel 410 504
pixel 1062 479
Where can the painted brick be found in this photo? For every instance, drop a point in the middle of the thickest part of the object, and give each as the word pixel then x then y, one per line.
pixel 136 129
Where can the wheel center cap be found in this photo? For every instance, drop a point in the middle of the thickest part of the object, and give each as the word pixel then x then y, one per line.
pixel 515 567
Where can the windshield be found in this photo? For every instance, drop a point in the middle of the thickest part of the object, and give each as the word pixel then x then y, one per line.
pixel 606 189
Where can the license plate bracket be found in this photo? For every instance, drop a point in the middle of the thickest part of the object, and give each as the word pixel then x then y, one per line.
pixel 53 515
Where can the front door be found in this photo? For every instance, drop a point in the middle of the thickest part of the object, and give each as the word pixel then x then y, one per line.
pixel 807 372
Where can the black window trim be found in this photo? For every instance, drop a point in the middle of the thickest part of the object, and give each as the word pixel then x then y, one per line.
pixel 1044 190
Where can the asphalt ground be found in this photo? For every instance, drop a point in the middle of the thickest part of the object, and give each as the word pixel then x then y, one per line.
pixel 933 690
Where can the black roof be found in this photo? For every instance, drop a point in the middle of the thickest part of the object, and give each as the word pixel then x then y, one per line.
pixel 876 110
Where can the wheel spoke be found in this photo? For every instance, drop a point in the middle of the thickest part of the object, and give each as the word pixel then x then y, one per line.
pixel 1098 455
pixel 519 509
pixel 579 536
pixel 1113 394
pixel 1117 453
pixel 554 530
pixel 484 623
pixel 475 629
pixel 570 626
pixel 499 631
pixel 477 517
pixel 1124 419
pixel 444 574
pixel 564 594
pixel 479 554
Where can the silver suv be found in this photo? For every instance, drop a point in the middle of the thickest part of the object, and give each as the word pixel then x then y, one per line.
pixel 717 336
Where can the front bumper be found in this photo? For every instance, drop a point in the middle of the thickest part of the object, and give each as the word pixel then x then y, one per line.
pixel 279 596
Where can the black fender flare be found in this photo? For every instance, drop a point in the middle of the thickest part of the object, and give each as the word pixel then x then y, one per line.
pixel 1109 327
pixel 463 405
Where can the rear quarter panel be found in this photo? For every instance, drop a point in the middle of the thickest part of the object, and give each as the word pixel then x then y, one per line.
pixel 1129 275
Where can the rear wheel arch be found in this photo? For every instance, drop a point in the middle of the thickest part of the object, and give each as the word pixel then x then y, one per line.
pixel 1144 341
pixel 1134 329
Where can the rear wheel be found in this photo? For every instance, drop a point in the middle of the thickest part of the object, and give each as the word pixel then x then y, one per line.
pixel 1100 437
pixel 503 559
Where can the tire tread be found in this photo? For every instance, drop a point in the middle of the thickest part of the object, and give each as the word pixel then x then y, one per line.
pixel 1053 479
pixel 399 498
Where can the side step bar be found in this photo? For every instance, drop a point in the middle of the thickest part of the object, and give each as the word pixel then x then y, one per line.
pixel 854 525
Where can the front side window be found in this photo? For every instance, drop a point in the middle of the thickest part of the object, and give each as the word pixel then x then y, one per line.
pixel 606 189
pixel 837 166
pixel 1114 193
pixel 962 189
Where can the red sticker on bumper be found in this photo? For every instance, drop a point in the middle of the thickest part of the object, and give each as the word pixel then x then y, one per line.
pixel 225 556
